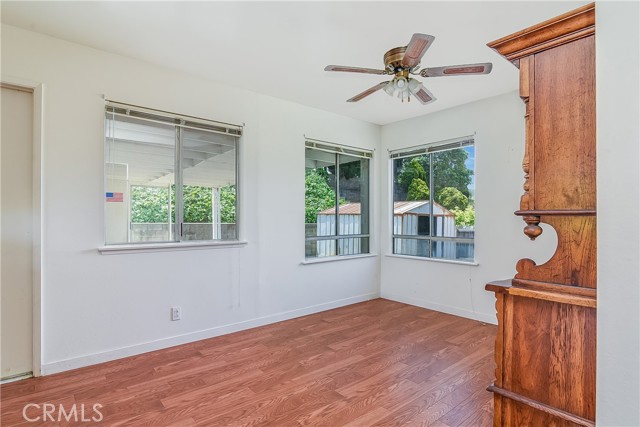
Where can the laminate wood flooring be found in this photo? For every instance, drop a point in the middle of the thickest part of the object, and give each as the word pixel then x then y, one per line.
pixel 377 363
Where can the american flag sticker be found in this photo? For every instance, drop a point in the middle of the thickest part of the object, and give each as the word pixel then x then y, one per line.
pixel 115 197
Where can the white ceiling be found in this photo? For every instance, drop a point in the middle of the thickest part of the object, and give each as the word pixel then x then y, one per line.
pixel 281 48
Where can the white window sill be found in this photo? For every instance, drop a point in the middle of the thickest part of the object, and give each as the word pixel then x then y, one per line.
pixel 336 258
pixel 168 247
pixel 421 258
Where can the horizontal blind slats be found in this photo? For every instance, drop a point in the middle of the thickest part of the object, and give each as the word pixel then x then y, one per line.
pixel 172 119
pixel 340 149
pixel 449 144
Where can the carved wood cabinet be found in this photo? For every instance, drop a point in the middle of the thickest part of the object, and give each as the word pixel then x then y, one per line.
pixel 546 343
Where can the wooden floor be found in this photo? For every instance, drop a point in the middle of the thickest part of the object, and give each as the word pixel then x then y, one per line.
pixel 378 363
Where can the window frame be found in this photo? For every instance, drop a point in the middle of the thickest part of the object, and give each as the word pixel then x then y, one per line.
pixel 414 151
pixel 341 149
pixel 179 122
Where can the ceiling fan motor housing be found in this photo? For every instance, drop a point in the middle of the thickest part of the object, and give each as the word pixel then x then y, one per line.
pixel 393 61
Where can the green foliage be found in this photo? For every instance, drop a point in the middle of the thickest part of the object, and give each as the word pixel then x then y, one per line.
pixel 466 217
pixel 350 170
pixel 449 170
pixel 418 190
pixel 452 198
pixel 151 204
pixel 197 204
pixel 228 204
pixel 411 170
pixel 318 195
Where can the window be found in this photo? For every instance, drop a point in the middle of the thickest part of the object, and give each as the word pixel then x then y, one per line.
pixel 168 177
pixel 336 176
pixel 433 200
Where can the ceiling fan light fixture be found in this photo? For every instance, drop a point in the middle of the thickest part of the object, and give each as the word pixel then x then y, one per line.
pixel 401 83
pixel 390 88
pixel 414 86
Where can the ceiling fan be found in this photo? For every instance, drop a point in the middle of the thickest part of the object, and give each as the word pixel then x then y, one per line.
pixel 403 61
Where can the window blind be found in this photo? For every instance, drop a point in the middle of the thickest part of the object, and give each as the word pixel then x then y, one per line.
pixel 448 144
pixel 159 116
pixel 335 148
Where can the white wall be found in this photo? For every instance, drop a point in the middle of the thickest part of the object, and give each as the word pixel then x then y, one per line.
pixel 618 179
pixel 98 307
pixel 458 289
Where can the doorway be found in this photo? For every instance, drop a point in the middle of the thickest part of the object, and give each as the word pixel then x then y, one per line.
pixel 16 232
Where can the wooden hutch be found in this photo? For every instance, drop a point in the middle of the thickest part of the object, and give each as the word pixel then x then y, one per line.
pixel 546 343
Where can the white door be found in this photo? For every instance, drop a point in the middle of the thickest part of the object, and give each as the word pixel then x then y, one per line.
pixel 16 232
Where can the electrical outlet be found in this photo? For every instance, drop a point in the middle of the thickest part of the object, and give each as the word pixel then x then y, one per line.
pixel 176 313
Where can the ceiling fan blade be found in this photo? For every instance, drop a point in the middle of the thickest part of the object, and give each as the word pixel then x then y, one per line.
pixel 367 92
pixel 416 49
pixel 423 95
pixel 353 69
pixel 457 70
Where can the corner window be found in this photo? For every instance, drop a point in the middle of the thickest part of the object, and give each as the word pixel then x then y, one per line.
pixel 336 177
pixel 168 177
pixel 434 200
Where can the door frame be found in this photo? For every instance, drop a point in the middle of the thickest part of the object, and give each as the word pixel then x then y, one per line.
pixel 38 105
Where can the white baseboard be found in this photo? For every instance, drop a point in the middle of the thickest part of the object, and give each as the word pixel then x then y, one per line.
pixel 456 311
pixel 107 356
